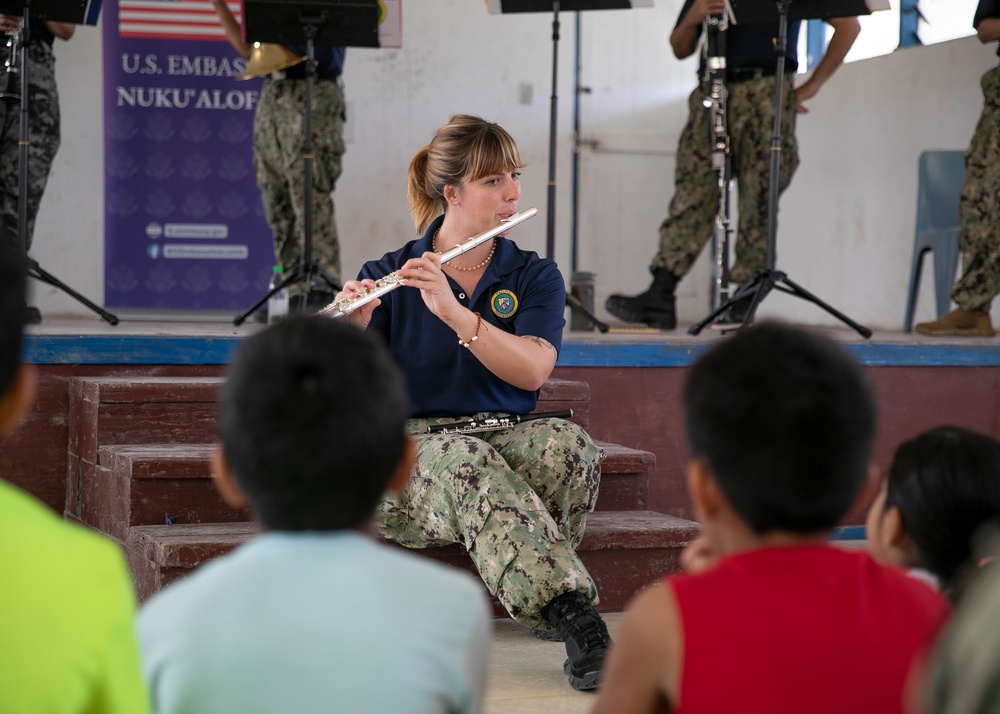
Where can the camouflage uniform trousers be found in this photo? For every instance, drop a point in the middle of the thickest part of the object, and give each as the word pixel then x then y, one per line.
pixel 750 113
pixel 516 499
pixel 43 138
pixel 979 206
pixel 279 131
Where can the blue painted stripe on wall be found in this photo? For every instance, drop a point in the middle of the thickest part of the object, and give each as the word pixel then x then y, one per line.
pixel 650 354
pixel 148 349
pixel 163 349
pixel 849 533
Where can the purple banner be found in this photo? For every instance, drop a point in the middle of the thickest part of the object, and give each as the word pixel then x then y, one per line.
pixel 184 226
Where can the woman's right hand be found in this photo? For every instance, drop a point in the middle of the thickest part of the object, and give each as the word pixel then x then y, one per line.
pixel 352 290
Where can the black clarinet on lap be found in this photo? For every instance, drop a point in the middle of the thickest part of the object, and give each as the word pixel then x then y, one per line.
pixel 473 426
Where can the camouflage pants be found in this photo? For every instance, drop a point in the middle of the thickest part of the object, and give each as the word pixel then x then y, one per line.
pixel 979 207
pixel 750 113
pixel 517 499
pixel 278 161
pixel 43 139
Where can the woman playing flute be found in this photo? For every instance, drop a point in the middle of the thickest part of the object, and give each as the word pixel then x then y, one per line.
pixel 480 334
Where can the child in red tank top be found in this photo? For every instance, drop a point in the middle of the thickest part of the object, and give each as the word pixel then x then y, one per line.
pixel 780 424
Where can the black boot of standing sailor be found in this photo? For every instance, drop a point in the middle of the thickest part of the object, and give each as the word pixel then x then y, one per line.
pixel 657 307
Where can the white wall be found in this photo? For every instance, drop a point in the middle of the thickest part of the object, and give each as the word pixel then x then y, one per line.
pixel 846 222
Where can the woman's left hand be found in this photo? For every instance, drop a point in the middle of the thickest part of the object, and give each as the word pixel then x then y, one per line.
pixel 426 275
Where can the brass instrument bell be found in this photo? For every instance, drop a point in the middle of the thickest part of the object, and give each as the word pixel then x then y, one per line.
pixel 268 57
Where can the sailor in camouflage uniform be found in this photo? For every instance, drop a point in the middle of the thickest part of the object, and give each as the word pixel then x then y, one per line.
pixel 43 122
pixel 279 127
pixel 278 135
pixel 979 207
pixel 477 337
pixel 751 64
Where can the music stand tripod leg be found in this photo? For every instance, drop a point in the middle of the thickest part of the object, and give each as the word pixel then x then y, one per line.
pixel 36 271
pixel 294 276
pixel 797 290
pixel 757 289
pixel 575 304
pixel 321 275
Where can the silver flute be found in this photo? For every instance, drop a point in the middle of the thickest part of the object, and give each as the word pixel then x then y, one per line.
pixel 339 308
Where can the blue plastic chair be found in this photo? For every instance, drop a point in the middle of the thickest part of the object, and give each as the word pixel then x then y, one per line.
pixel 941 175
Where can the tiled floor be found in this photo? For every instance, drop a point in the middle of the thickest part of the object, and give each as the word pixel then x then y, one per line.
pixel 526 675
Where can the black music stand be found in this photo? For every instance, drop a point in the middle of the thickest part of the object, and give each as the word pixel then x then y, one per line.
pixel 554 6
pixel 74 12
pixel 340 23
pixel 759 11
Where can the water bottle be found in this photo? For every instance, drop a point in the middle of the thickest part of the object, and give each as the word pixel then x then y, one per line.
pixel 277 304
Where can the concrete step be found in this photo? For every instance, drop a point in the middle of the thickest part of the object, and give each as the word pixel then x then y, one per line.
pixel 625 477
pixel 159 555
pixel 133 410
pixel 623 550
pixel 154 484
pixel 183 410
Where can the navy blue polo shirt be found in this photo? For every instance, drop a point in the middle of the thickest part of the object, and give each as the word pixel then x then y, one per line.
pixel 519 292
pixel 986 9
pixel 753 45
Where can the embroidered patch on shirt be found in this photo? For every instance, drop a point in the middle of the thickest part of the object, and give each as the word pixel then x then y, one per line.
pixel 504 303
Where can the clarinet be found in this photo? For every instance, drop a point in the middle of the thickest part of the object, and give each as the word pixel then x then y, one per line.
pixel 715 77
pixel 10 87
pixel 473 426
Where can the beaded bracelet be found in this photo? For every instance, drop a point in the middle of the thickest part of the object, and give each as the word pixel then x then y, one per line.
pixel 479 322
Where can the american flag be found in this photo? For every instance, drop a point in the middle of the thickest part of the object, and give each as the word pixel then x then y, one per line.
pixel 172 19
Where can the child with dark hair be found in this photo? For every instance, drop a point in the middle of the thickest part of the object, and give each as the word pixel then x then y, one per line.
pixel 780 424
pixel 314 615
pixel 68 641
pixel 943 486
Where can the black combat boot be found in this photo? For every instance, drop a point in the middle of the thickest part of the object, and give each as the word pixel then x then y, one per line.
pixel 656 307
pixel 586 637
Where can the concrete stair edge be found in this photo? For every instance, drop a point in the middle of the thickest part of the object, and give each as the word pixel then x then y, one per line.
pixel 620 556
pixel 129 480
pixel 181 545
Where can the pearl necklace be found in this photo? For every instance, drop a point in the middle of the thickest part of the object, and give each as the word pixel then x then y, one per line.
pixel 474 268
